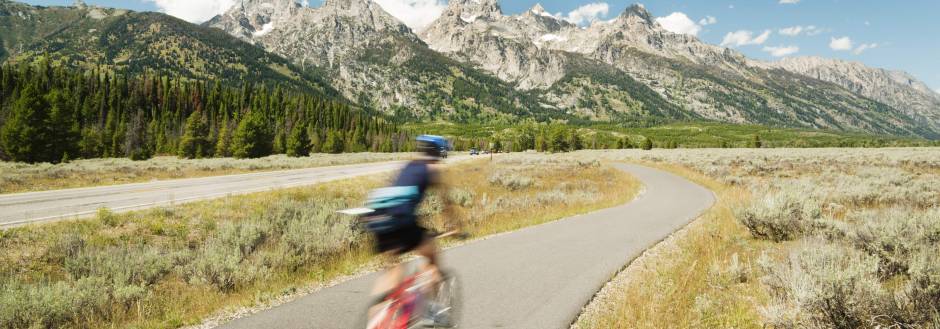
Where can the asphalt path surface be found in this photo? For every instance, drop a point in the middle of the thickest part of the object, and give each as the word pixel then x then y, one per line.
pixel 24 208
pixel 535 278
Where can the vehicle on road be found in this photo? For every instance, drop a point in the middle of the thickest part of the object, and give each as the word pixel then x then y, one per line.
pixel 474 152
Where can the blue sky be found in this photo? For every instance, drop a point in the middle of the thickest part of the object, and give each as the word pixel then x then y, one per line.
pixel 889 34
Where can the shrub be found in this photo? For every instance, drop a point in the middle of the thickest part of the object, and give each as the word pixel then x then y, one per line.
pixel 894 235
pixel 823 286
pixel 510 181
pixel 219 261
pixel 780 217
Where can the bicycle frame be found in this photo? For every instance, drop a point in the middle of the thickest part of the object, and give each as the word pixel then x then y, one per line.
pixel 405 301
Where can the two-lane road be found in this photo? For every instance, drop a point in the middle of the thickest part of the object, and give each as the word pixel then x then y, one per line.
pixel 23 208
pixel 535 278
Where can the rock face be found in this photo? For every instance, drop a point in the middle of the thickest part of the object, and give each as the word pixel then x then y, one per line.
pixel 625 69
pixel 895 88
pixel 372 57
pixel 536 51
pixel 509 47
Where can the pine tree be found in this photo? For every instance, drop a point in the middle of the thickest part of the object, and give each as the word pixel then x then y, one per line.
pixel 756 142
pixel 24 135
pixel 558 140
pixel 574 141
pixel 195 142
pixel 64 131
pixel 137 145
pixel 647 143
pixel 333 143
pixel 252 138
pixel 224 140
pixel 298 143
pixel 625 143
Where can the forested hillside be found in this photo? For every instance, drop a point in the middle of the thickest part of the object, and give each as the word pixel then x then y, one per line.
pixel 134 43
pixel 55 113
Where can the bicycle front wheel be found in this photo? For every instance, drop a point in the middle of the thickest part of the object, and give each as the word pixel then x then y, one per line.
pixel 447 302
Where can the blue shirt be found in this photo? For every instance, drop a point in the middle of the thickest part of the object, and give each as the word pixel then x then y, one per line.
pixel 417 174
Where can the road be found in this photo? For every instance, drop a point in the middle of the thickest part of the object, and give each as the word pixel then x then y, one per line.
pixel 24 208
pixel 535 278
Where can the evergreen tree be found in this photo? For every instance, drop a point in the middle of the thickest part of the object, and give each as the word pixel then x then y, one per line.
pixel 298 144
pixel 333 143
pixel 558 140
pixel 756 142
pixel 252 138
pixel 64 131
pixel 195 141
pixel 540 144
pixel 25 135
pixel 647 144
pixel 625 143
pixel 574 141
pixel 224 140
pixel 136 142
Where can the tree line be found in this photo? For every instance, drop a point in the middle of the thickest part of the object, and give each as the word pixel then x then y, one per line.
pixel 55 113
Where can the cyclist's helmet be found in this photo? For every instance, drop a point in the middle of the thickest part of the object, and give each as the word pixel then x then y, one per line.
pixel 432 146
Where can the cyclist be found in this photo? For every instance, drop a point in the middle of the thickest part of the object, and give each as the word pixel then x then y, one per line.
pixel 401 233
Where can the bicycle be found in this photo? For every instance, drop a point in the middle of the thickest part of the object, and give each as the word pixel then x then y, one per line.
pixel 418 302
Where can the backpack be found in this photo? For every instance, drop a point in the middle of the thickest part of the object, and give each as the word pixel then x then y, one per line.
pixel 383 199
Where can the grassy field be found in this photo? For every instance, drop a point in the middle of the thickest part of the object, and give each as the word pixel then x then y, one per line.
pixel 22 177
pixel 695 135
pixel 165 268
pixel 819 238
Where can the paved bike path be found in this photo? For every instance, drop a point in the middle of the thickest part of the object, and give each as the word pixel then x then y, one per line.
pixel 535 278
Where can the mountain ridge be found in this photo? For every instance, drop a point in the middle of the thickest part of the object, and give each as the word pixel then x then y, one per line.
pixel 476 63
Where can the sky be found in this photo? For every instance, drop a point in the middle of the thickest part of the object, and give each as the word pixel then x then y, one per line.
pixel 897 35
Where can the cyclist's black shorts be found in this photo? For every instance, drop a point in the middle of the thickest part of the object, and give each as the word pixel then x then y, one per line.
pixel 402 240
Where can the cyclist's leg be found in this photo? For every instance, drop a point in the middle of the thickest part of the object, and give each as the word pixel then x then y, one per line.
pixel 386 282
pixel 390 277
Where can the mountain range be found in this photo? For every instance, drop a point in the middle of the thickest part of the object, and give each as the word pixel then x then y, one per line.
pixel 477 63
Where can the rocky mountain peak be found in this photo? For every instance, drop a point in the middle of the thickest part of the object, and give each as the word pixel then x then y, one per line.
pixel 638 11
pixel 470 10
pixel 538 10
pixel 349 5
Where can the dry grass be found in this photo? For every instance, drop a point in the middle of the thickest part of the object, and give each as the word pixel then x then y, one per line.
pixel 165 268
pixel 22 177
pixel 697 278
pixel 823 238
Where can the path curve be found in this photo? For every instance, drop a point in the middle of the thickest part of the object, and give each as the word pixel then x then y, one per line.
pixel 535 278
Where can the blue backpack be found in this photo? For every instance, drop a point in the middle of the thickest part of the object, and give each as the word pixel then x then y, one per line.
pixel 383 199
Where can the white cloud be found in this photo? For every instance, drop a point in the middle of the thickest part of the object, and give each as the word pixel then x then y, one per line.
pixel 743 38
pixel 863 47
pixel 782 51
pixel 708 20
pixel 417 14
pixel 840 44
pixel 793 31
pixel 588 13
pixel 193 11
pixel 789 2
pixel 679 23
